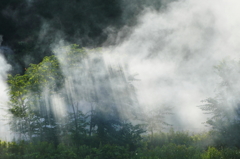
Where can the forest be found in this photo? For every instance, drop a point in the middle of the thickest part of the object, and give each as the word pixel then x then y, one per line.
pixel 112 79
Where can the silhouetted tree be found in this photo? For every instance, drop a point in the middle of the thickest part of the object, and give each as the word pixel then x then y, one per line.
pixel 224 109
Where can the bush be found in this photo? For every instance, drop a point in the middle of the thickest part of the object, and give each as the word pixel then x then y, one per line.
pixel 171 151
pixel 213 153
pixel 110 152
pixel 167 146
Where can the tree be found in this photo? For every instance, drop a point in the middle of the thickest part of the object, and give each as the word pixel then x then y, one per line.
pixel 155 119
pixel 224 108
pixel 130 135
pixel 27 104
pixel 105 89
pixel 79 82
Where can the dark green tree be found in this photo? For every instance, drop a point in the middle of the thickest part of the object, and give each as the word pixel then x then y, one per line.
pixel 224 108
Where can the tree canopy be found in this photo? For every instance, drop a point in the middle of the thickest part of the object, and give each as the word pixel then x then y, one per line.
pixel 37 115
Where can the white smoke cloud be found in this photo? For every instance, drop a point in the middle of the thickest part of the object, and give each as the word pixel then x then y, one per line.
pixel 4 67
pixel 174 52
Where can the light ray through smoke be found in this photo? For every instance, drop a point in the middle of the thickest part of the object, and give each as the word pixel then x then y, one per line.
pixel 174 52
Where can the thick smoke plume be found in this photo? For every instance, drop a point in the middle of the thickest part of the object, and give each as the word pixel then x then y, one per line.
pixel 4 68
pixel 174 52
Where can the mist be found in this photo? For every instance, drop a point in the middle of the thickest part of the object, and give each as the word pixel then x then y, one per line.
pixel 4 120
pixel 171 50
pixel 174 51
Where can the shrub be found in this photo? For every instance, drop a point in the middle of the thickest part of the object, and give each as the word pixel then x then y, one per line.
pixel 171 151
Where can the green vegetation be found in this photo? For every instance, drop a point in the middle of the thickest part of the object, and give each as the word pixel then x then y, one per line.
pixel 70 104
pixel 35 116
pixel 166 146
pixel 103 132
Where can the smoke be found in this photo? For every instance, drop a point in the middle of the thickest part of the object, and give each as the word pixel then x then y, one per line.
pixel 4 68
pixel 174 52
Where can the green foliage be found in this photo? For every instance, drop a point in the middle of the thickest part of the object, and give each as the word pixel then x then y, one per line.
pixel 37 76
pixel 80 120
pixel 176 137
pixel 45 150
pixel 213 153
pixel 109 151
pixel 232 153
pixel 130 135
pixel 32 107
pixel 26 101
pixel 77 126
pixel 180 138
pixel 101 133
pixel 170 151
pixel 45 74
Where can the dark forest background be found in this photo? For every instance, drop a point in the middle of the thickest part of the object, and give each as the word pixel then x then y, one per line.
pixel 29 27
